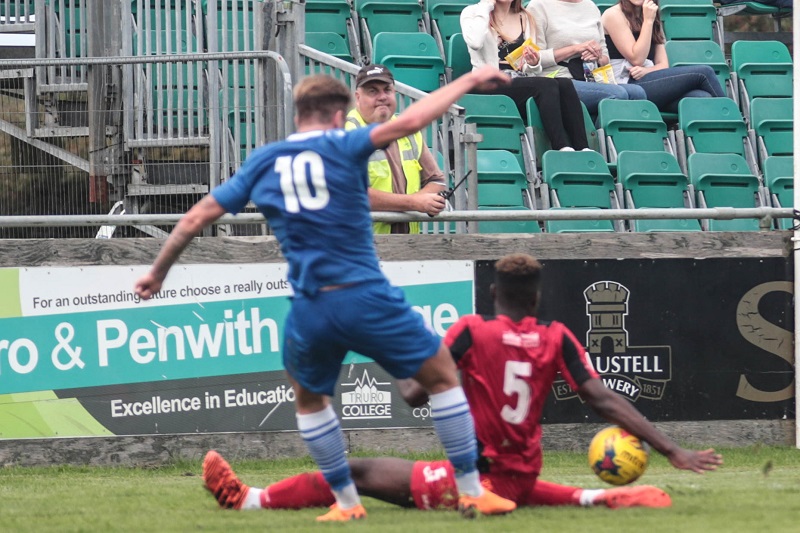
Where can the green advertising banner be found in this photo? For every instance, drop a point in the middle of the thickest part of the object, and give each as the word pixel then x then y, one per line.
pixel 75 341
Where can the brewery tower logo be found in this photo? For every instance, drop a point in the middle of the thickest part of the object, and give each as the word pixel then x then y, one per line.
pixel 633 371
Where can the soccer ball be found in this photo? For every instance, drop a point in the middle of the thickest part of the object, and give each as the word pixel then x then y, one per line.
pixel 617 457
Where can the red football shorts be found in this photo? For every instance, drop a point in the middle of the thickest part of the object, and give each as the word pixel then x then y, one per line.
pixel 433 486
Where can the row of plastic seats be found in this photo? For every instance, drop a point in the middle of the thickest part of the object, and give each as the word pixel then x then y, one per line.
pixel 654 180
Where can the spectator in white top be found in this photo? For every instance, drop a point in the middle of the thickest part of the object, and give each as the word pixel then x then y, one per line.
pixel 569 33
pixel 492 30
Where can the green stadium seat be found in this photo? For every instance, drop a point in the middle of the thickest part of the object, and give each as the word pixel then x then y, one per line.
pixel 330 43
pixel 413 58
pixel 779 178
pixel 763 69
pixel 500 166
pixel 496 194
pixel 498 120
pixel 772 121
pixel 655 180
pixel 328 16
pixel 688 19
pixel 507 226
pixel 682 53
pixel 458 61
pixel 445 18
pixel 379 16
pixel 579 180
pixel 631 125
pixel 724 180
pixel 602 5
pixel 713 125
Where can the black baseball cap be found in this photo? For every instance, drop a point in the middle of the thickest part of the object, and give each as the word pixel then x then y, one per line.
pixel 374 73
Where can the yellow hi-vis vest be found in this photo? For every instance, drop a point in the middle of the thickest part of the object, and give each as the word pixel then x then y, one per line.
pixel 380 174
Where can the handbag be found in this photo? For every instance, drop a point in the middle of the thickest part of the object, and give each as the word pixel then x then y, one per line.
pixel 575 67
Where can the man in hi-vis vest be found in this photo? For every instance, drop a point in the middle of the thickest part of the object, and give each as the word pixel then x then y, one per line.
pixel 404 175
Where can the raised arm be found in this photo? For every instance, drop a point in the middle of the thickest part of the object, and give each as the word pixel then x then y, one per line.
pixel 191 224
pixel 616 26
pixel 425 111
pixel 616 409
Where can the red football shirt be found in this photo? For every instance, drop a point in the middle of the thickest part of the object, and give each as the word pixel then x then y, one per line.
pixel 507 371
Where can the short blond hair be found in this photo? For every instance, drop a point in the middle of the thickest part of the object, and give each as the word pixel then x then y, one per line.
pixel 320 97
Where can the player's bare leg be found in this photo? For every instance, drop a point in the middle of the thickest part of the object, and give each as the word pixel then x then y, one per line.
pixel 453 423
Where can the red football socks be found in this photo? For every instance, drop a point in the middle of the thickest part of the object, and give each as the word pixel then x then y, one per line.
pixel 298 492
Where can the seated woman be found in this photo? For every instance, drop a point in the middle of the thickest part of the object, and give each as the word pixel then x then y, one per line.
pixel 568 33
pixel 493 29
pixel 639 57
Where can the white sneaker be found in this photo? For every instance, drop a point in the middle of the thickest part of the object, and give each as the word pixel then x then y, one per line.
pixel 587 150
pixel 567 149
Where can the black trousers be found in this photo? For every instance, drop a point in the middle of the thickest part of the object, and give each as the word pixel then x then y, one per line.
pixel 558 105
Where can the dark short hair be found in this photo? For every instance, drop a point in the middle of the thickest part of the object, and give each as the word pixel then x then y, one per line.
pixel 322 96
pixel 517 278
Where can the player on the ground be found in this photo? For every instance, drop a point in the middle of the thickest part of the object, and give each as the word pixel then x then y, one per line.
pixel 508 364
pixel 312 188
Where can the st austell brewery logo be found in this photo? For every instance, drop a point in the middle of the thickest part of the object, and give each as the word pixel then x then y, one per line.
pixel 632 371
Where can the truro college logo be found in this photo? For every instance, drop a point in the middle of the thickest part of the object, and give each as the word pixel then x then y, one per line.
pixel 366 400
pixel 633 371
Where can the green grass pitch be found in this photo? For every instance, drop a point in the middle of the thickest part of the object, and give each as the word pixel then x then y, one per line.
pixel 757 490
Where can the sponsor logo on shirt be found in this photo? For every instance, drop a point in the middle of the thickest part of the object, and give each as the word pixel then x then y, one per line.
pixel 521 340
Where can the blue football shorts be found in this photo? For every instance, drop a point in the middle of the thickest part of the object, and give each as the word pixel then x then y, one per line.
pixel 371 318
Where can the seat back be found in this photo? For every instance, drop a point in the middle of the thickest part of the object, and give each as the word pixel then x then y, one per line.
pixel 331 43
pixel 327 16
pixel 500 166
pixel 507 226
pixel 458 60
pixel 772 120
pixel 688 19
pixel 632 124
pixel 725 180
pixel 779 179
pixel 654 179
pixel 715 125
pixel 412 57
pixel 765 67
pixel 390 15
pixel 682 53
pixel 499 195
pixel 498 120
pixel 579 179
pixel 447 15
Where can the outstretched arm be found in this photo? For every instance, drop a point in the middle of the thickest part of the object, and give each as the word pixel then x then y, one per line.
pixel 616 409
pixel 425 111
pixel 192 223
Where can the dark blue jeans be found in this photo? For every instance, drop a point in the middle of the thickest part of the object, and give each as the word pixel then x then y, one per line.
pixel 666 87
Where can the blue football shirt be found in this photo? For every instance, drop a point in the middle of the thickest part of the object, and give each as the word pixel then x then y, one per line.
pixel 312 188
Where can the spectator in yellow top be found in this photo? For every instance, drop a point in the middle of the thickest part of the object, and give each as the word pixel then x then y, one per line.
pixel 404 175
